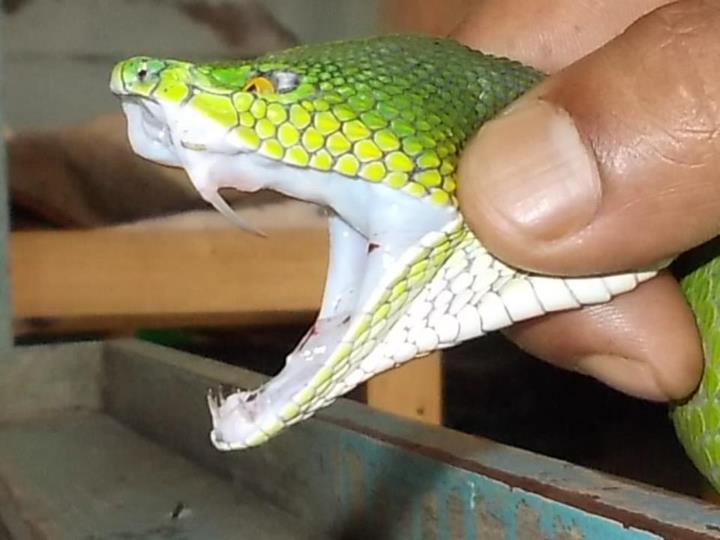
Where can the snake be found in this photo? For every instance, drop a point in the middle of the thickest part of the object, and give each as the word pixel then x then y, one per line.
pixel 371 130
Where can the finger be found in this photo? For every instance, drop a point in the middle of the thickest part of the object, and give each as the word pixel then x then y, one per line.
pixel 643 343
pixel 613 162
pixel 548 35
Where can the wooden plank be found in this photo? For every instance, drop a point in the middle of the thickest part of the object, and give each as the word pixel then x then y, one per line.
pixel 413 390
pixel 103 279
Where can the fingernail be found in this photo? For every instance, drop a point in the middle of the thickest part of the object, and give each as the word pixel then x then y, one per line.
pixel 531 167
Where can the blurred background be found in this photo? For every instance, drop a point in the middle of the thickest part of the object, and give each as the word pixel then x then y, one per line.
pixel 105 245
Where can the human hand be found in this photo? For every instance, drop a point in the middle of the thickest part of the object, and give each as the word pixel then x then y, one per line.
pixel 610 164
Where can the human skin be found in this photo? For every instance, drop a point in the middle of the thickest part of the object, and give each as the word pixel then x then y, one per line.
pixel 611 163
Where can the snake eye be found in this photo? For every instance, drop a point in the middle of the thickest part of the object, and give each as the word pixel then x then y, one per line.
pixel 142 73
pixel 259 85
pixel 274 81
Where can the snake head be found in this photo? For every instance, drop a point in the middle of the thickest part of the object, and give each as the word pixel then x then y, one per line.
pixel 137 76
pixel 145 85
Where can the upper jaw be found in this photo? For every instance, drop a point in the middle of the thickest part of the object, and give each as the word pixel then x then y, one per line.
pixel 116 83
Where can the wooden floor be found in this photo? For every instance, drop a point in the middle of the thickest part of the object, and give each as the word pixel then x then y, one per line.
pixel 113 485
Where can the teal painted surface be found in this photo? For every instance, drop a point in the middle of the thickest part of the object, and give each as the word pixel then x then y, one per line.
pixel 448 450
pixel 6 341
pixel 508 513
pixel 352 473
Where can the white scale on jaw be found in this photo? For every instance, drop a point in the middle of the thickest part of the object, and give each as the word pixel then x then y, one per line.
pixel 374 231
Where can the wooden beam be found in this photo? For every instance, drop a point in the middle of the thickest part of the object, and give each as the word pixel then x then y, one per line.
pixel 413 390
pixel 119 279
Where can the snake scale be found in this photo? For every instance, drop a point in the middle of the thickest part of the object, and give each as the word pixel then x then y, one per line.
pixel 371 130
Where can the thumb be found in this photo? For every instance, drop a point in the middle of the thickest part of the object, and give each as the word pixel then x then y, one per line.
pixel 612 163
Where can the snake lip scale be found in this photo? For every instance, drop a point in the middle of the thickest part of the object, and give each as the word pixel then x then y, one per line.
pixel 372 129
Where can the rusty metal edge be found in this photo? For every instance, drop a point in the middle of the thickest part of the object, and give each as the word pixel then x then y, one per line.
pixel 588 501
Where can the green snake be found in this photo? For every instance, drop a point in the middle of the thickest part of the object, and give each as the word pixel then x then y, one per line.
pixel 371 130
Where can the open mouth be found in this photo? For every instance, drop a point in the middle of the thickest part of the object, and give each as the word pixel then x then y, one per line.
pixel 148 131
pixel 365 324
pixel 155 128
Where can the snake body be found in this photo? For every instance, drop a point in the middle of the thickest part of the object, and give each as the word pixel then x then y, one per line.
pixel 372 130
